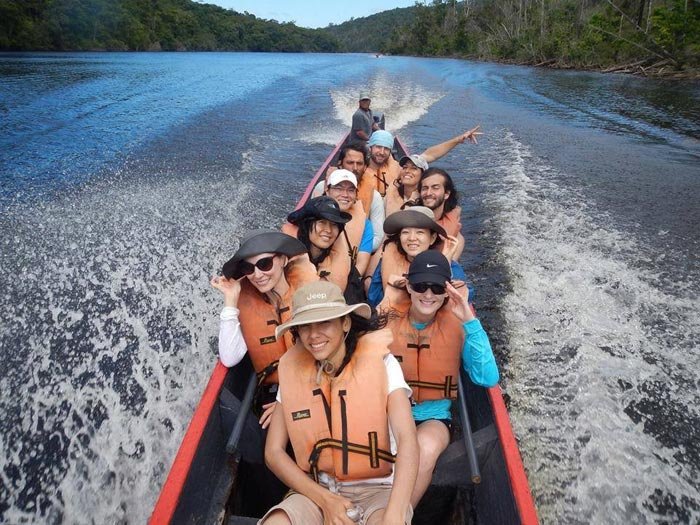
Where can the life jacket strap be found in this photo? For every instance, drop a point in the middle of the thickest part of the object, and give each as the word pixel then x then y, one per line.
pixel 448 387
pixel 370 450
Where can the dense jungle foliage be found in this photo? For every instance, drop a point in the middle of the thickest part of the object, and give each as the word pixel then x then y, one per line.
pixel 146 25
pixel 629 35
pixel 579 33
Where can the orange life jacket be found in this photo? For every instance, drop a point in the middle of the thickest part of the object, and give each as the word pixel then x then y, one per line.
pixel 393 263
pixel 336 266
pixel 258 318
pixel 355 228
pixel 430 358
pixel 339 426
pixel 451 221
pixel 384 176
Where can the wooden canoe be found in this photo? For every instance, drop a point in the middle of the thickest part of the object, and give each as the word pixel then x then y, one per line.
pixel 207 484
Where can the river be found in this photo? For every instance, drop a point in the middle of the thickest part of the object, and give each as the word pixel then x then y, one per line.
pixel 127 178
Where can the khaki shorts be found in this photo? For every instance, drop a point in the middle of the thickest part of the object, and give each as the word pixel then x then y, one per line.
pixel 371 497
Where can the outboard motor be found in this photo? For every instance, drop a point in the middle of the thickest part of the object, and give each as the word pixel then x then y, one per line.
pixel 379 119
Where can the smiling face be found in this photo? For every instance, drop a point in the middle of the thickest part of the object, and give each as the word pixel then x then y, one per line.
pixel 344 193
pixel 416 240
pixel 323 233
pixel 323 340
pixel 425 305
pixel 433 194
pixel 379 154
pixel 410 174
pixel 264 281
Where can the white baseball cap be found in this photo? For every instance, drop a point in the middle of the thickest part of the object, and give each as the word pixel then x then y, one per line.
pixel 340 175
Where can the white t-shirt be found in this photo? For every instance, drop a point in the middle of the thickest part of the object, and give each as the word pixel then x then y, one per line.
pixel 396 381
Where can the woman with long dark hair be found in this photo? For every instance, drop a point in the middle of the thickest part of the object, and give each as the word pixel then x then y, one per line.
pixel 343 405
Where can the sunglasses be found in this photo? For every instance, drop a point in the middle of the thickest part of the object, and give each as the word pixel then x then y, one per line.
pixel 437 289
pixel 264 265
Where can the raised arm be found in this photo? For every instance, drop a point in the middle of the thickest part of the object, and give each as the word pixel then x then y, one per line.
pixel 232 346
pixel 433 153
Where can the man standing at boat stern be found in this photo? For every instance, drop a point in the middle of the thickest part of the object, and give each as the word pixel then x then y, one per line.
pixel 362 121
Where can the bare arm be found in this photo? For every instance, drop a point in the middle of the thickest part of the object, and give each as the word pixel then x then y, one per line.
pixel 406 466
pixel 437 151
pixel 362 262
pixel 333 506
pixel 460 247
pixel 362 134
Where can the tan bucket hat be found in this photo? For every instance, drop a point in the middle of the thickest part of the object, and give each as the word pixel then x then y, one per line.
pixel 320 301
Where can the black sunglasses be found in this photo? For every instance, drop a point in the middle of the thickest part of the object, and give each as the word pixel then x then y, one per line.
pixel 264 265
pixel 437 289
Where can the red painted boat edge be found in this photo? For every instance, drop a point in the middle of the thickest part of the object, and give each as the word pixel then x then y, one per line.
pixel 170 494
pixel 172 488
pixel 514 463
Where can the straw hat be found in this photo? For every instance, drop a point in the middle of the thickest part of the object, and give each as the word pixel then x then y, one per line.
pixel 320 301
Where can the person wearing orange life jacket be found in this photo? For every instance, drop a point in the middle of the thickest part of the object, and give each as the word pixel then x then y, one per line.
pixel 409 232
pixel 437 192
pixel 343 405
pixel 359 232
pixel 383 168
pixel 258 283
pixel 320 226
pixel 435 328
pixel 405 191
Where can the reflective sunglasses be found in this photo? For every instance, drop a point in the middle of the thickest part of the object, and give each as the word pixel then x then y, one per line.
pixel 264 265
pixel 437 289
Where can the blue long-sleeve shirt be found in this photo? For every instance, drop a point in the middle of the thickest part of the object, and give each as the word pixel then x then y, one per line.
pixel 478 361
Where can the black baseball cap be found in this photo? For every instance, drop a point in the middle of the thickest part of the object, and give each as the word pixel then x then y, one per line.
pixel 430 266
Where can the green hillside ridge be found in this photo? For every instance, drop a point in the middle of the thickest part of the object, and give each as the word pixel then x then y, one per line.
pixel 147 25
pixel 659 37
pixel 641 36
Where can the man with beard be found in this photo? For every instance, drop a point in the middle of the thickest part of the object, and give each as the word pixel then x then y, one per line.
pixel 437 192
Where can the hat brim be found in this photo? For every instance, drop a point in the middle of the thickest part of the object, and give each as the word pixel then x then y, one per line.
pixel 405 158
pixel 395 222
pixel 302 214
pixel 318 315
pixel 426 277
pixel 262 241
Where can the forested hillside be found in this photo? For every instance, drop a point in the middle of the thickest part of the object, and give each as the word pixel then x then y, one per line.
pixel 139 25
pixel 372 33
pixel 634 35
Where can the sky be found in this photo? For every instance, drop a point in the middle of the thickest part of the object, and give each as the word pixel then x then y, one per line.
pixel 310 13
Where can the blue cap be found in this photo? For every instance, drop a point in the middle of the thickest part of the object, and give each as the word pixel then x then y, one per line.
pixel 381 138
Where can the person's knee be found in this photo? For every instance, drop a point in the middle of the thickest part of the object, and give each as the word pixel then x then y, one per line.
pixel 278 517
pixel 430 449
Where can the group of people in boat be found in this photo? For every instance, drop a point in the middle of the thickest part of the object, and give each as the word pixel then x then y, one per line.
pixel 356 317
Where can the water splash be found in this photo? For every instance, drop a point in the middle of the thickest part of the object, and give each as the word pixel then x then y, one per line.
pixel 601 349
